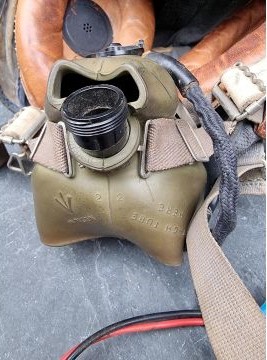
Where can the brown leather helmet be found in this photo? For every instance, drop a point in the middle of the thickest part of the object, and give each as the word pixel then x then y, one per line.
pixel 40 43
pixel 39 40
pixel 240 37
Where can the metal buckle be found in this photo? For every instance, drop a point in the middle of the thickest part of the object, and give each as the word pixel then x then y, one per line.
pixel 18 161
pixel 40 137
pixel 142 148
pixel 69 174
pixel 183 113
pixel 254 111
pixel 199 154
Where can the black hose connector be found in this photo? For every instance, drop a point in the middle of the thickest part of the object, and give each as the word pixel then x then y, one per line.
pixel 97 117
pixel 181 76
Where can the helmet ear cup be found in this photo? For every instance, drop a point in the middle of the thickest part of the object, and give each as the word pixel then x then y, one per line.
pixel 86 28
pixel 39 30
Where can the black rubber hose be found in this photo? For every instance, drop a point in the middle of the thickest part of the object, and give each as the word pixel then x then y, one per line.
pixel 224 152
pixel 181 76
pixel 170 315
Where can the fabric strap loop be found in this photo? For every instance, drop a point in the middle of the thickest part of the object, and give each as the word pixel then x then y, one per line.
pixel 233 320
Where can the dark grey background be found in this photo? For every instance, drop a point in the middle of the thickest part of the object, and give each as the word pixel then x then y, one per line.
pixel 52 298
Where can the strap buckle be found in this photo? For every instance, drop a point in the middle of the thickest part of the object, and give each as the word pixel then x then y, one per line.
pixel 200 151
pixel 69 173
pixel 18 131
pixel 142 148
pixel 20 163
pixel 253 112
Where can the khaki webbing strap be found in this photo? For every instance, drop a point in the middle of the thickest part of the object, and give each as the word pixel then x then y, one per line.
pixel 233 320
pixel 170 143
pixel 240 88
pixel 244 95
pixel 49 149
pixel 173 143
pixel 25 123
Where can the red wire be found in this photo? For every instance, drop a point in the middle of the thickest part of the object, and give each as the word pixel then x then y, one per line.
pixel 69 353
pixel 156 325
pixel 159 325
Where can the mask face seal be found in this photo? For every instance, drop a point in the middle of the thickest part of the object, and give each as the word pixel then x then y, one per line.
pixel 86 27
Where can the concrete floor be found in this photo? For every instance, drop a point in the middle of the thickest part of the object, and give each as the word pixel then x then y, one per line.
pixel 52 298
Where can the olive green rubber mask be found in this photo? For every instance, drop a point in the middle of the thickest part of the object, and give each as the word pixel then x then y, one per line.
pixel 109 193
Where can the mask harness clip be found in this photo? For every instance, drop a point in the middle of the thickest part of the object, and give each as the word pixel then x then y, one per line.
pixel 22 128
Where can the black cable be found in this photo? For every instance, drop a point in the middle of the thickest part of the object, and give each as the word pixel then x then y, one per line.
pixel 170 315
pixel 226 160
pixel 224 152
